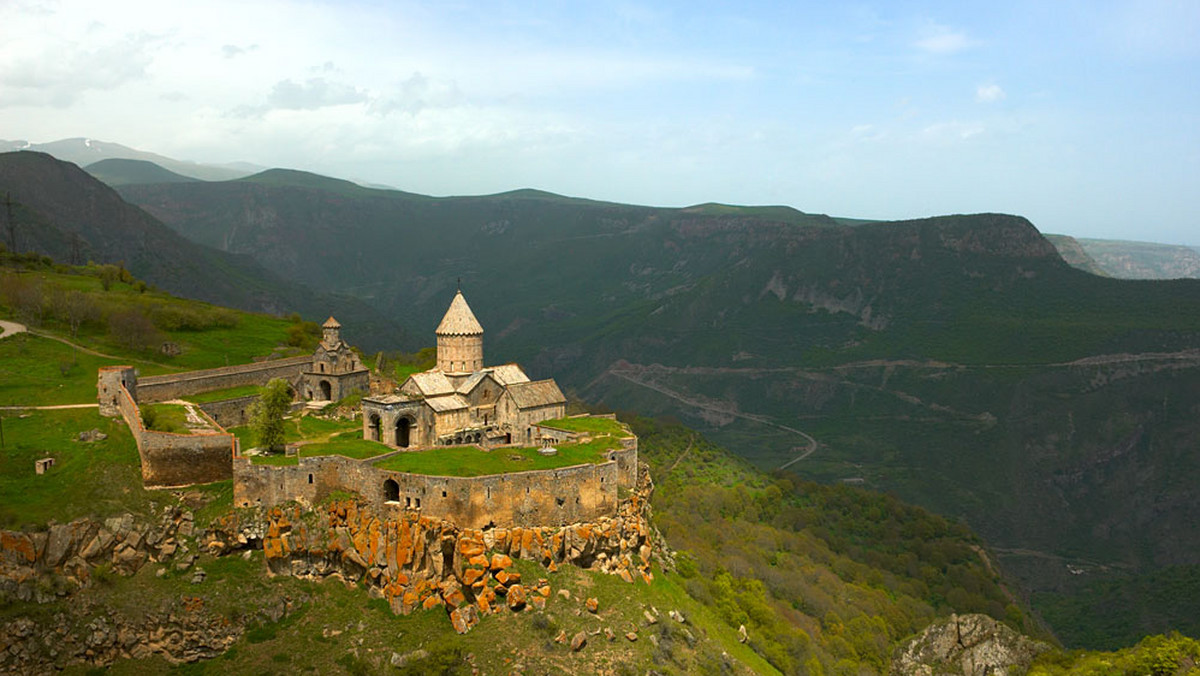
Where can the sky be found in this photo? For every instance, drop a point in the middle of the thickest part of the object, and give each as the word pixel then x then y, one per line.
pixel 1082 116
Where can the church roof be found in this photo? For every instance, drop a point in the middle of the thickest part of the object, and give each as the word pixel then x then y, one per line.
pixel 331 323
pixel 507 374
pixel 432 383
pixel 537 393
pixel 504 375
pixel 459 320
pixel 451 402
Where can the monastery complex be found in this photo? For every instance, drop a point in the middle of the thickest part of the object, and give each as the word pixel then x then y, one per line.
pixel 460 407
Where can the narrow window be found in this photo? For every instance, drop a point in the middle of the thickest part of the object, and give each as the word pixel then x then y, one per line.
pixel 408 502
pixel 310 478
pixel 443 494
pixel 418 503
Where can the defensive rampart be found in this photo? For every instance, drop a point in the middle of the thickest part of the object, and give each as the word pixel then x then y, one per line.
pixel 230 412
pixel 176 459
pixel 176 385
pixel 538 497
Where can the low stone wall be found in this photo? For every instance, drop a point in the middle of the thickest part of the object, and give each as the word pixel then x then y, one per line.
pixel 230 412
pixel 539 497
pixel 176 385
pixel 177 459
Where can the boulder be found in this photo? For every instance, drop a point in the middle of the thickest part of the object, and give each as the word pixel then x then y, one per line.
pixel 972 645
pixel 516 597
pixel 578 641
pixel 593 605
pixel 464 618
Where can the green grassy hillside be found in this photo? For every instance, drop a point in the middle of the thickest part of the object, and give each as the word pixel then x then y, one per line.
pixel 61 211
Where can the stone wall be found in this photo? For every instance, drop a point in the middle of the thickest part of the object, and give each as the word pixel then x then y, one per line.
pixel 230 412
pixel 177 459
pixel 540 497
pixel 175 385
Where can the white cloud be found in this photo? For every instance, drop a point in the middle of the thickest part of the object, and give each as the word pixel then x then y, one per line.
pixel 989 93
pixel 952 131
pixel 939 39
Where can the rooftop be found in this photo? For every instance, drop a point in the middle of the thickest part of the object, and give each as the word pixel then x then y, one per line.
pixel 459 320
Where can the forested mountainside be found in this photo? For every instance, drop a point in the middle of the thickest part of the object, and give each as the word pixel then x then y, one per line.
pixel 956 361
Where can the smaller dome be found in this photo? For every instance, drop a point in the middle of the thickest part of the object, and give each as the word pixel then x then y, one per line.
pixel 331 323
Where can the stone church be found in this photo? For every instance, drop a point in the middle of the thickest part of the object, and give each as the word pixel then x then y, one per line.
pixel 460 401
pixel 335 371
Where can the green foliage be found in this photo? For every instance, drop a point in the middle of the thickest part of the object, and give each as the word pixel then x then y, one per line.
pixel 266 415
pixel 164 417
pixel 303 335
pixel 833 574
pixel 1161 655
pixel 404 364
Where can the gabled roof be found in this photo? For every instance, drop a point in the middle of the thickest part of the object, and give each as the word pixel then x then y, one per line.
pixel 431 383
pixel 451 402
pixel 459 320
pixel 507 374
pixel 535 394
pixel 474 379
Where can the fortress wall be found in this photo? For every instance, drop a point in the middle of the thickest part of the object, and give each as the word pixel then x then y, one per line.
pixel 230 412
pixel 176 459
pixel 627 463
pixel 182 459
pixel 535 498
pixel 175 385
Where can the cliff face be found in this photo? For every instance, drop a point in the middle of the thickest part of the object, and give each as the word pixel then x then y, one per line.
pixel 420 562
pixel 971 645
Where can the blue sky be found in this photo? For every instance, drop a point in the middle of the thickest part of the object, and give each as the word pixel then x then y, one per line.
pixel 1082 116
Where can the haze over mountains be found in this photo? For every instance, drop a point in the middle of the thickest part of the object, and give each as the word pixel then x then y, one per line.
pixel 956 361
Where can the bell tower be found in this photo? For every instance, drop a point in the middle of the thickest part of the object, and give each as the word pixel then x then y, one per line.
pixel 459 340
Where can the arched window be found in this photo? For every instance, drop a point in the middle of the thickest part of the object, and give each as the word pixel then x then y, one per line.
pixel 391 491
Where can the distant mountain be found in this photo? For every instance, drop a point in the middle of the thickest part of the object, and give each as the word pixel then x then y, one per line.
pixel 114 172
pixel 84 151
pixel 61 211
pixel 1143 260
pixel 1074 254
pixel 957 361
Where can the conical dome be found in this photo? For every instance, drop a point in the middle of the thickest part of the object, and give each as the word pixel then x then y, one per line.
pixel 459 320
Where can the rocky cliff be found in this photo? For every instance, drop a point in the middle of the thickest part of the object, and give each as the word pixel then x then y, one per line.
pixel 971 645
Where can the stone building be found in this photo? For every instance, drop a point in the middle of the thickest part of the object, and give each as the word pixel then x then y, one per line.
pixel 336 370
pixel 459 400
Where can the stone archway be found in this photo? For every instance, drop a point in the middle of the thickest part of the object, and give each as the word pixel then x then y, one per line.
pixel 391 491
pixel 326 391
pixel 375 428
pixel 404 432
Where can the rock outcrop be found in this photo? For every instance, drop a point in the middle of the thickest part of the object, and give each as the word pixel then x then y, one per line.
pixel 420 562
pixel 971 645
pixel 42 566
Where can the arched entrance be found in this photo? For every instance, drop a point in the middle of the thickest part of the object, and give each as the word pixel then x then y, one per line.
pixel 375 428
pixel 391 491
pixel 326 391
pixel 403 432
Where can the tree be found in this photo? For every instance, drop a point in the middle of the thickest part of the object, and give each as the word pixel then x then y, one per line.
pixel 75 308
pixel 266 416
pixel 133 329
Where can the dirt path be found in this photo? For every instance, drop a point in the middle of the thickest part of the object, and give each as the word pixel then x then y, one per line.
pixel 59 407
pixel 723 410
pixel 9 328
pixel 691 442
pixel 92 352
